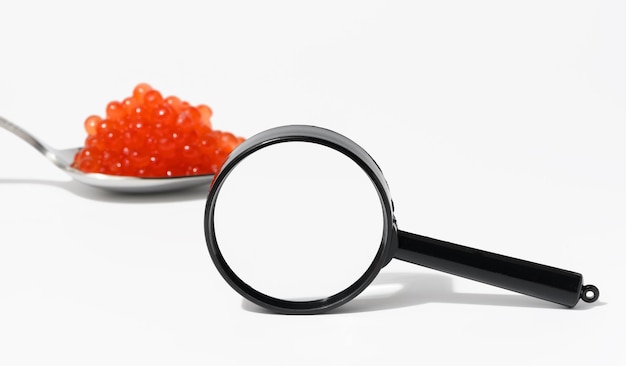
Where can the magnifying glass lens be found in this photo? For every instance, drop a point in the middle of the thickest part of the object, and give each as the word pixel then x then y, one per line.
pixel 298 221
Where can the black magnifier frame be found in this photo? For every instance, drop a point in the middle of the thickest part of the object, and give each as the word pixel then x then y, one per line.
pixel 533 279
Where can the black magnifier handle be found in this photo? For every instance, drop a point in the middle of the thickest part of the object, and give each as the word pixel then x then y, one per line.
pixel 548 283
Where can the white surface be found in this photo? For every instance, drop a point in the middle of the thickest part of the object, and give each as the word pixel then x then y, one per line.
pixel 498 125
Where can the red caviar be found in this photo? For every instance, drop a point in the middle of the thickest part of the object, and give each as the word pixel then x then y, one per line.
pixel 146 135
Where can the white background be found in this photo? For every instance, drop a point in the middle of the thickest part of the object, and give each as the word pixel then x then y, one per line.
pixel 498 125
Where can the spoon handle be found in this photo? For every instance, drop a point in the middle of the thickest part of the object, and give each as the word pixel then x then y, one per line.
pixel 44 149
pixel 21 133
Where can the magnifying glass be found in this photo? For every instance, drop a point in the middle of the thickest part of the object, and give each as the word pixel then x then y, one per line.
pixel 300 220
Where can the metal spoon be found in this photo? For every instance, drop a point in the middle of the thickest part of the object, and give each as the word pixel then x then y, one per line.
pixel 63 159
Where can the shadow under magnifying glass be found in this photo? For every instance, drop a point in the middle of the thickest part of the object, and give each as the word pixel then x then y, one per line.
pixel 95 194
pixel 394 290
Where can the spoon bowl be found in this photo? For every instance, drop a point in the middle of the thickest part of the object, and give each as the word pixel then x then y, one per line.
pixel 63 160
